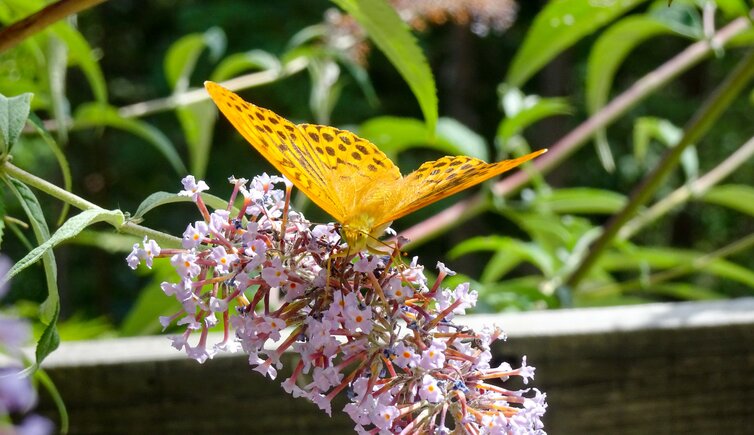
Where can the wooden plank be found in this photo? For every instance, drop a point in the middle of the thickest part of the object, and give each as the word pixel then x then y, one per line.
pixel 651 369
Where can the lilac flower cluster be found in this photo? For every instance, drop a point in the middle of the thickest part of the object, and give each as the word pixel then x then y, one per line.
pixel 17 394
pixel 365 323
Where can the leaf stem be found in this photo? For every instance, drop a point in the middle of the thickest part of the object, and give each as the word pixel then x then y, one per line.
pixel 703 119
pixel 163 239
pixel 570 143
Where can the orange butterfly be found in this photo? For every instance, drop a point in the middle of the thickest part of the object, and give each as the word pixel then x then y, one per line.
pixel 347 176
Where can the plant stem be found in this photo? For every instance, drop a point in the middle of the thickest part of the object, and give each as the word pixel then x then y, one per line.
pixel 10 36
pixel 163 239
pixel 699 124
pixel 697 188
pixel 571 142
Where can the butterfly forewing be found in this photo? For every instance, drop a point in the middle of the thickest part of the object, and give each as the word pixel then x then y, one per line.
pixel 283 144
pixel 441 178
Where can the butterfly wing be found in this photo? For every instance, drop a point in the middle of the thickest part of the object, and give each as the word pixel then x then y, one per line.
pixel 357 171
pixel 438 179
pixel 283 144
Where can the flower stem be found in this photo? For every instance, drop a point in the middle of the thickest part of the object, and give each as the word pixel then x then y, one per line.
pixel 163 239
pixel 699 124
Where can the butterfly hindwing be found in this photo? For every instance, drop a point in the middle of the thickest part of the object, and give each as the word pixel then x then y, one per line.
pixel 283 144
pixel 441 178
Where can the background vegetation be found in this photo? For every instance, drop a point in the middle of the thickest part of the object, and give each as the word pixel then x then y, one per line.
pixel 112 123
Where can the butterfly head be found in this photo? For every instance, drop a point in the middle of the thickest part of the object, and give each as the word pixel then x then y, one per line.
pixel 360 232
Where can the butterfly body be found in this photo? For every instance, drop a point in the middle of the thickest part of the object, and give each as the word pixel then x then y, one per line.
pixel 347 176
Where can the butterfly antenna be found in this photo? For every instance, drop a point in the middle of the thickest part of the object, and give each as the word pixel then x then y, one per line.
pixel 284 226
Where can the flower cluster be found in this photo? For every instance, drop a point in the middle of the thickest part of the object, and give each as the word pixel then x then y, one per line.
pixel 366 323
pixel 17 394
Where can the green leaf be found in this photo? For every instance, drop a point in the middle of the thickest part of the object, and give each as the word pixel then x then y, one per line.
pixel 526 251
pixel 49 340
pixel 455 138
pixel 57 67
pixel 733 8
pixel 665 258
pixel 49 308
pixel 184 53
pixel 611 49
pixel 393 37
pixel 558 26
pixel 394 135
pixel 684 291
pixel 524 110
pixel 94 114
pixel 662 130
pixel 580 200
pixel 69 229
pixel 237 63
pixel 108 241
pixel 65 168
pixel 684 19
pixel 738 197
pixel 80 53
pixel 14 112
pixel 197 121
pixel 519 294
pixel 161 198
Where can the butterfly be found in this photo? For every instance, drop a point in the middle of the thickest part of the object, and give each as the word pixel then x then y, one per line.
pixel 347 176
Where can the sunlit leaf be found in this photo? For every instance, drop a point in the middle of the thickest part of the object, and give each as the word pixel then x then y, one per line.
pixel 237 63
pixel 558 26
pixel 611 49
pixel 184 53
pixel 529 252
pixel 738 197
pixel 393 37
pixel 658 258
pixel 580 200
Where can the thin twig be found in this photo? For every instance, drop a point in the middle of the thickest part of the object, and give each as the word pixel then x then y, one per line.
pixel 570 143
pixel 695 189
pixel 194 96
pixel 10 36
pixel 703 119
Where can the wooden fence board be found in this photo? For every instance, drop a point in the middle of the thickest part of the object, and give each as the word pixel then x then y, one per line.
pixel 653 369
